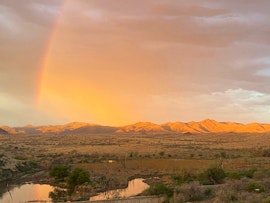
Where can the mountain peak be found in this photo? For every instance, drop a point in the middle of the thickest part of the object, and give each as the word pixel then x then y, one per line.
pixel 142 127
pixel 76 124
pixel 141 123
pixel 204 126
pixel 208 120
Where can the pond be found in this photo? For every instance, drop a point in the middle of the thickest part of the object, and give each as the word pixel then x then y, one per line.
pixel 135 187
pixel 31 192
pixel 27 192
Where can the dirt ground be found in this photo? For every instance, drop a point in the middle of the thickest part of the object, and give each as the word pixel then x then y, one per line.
pixel 132 155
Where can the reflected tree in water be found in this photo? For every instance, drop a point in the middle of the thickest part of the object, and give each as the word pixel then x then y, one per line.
pixel 59 195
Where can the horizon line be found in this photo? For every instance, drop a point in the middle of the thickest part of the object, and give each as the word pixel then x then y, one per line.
pixel 133 123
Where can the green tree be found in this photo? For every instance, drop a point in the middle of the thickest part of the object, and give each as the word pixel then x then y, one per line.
pixel 59 172
pixel 77 177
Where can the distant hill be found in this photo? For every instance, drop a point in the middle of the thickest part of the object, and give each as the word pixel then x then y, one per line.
pixel 2 131
pixel 142 128
pixel 205 126
pixel 70 128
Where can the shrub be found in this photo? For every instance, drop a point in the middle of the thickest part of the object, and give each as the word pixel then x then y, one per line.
pixel 162 153
pixel 233 198
pixel 59 172
pixel 208 192
pixel 27 167
pixel 255 187
pixel 203 179
pixel 250 173
pixel 78 177
pixel 223 155
pixel 33 164
pixel 214 175
pixel 184 177
pixel 159 189
pixel 189 192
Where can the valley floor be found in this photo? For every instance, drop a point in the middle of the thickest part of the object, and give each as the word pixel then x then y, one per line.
pixel 119 158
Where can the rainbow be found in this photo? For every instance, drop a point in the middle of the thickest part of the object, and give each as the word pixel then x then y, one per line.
pixel 48 47
pixel 61 95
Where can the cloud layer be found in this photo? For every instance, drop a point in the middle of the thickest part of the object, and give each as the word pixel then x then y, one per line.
pixel 160 60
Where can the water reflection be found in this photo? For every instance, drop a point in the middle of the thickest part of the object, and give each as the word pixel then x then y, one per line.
pixel 59 194
pixel 27 192
pixel 135 187
pixel 31 192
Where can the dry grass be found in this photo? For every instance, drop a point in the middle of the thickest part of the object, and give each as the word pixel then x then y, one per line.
pixel 140 154
pixel 151 155
pixel 143 144
pixel 231 191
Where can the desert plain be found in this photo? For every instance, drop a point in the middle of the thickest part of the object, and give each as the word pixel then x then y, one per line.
pixel 121 157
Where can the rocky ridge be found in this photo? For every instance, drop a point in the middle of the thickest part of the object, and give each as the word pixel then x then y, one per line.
pixel 205 126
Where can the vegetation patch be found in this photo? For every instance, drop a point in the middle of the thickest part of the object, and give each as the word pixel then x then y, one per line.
pixel 60 172
pixel 211 176
pixel 255 187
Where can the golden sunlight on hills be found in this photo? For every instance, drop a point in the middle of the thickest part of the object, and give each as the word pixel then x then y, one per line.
pixel 205 126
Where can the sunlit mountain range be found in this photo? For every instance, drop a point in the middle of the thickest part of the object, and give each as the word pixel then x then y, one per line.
pixel 205 126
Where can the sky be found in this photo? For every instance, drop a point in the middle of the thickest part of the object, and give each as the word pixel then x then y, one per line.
pixel 117 62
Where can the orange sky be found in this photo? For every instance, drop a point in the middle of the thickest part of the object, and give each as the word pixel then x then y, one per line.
pixel 101 62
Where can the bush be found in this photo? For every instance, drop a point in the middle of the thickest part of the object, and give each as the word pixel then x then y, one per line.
pixel 59 172
pixel 250 173
pixel 214 175
pixel 27 167
pixel 159 189
pixel 255 187
pixel 33 164
pixel 78 177
pixel 162 153
pixel 190 192
pixel 184 177
pixel 208 192
pixel 233 198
